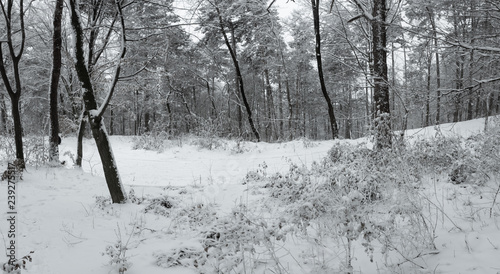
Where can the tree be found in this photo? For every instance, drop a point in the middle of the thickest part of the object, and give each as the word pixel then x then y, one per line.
pixel 225 24
pixel 378 21
pixel 15 34
pixel 54 83
pixel 331 114
pixel 91 110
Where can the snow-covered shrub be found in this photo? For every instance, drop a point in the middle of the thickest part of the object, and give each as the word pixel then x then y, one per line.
pixel 347 194
pixel 227 244
pixel 16 266
pixel 7 148
pixel 308 143
pixel 438 154
pixel 463 171
pixel 232 242
pixel 239 147
pixel 155 141
pixel 184 256
pixel 102 202
pixel 206 134
pixel 131 197
pixel 194 215
pixel 256 176
pixel 36 149
pixel 117 253
pixel 208 142
pixel 160 205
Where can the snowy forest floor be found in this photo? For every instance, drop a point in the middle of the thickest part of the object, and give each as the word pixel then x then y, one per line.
pixel 224 206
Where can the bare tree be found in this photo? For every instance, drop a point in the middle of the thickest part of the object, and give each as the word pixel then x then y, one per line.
pixel 94 113
pixel 14 27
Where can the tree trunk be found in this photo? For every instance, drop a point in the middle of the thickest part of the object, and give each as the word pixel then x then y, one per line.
pixel 3 114
pixel 79 143
pixel 331 114
pixel 290 109
pixel 270 107
pixel 438 71
pixel 280 105
pixel 428 90
pixel 348 125
pixel 18 129
pixel 94 114
pixel 54 84
pixel 239 77
pixel 381 88
pixel 111 122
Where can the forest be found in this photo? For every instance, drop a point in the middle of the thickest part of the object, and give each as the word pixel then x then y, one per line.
pixel 250 136
pixel 236 69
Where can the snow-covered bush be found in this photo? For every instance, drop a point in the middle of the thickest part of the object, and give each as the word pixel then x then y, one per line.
pixel 437 154
pixel 195 215
pixel 36 149
pixel 208 142
pixel 160 205
pixel 117 253
pixel 16 266
pixel 347 195
pixel 183 256
pixel 233 241
pixel 227 244
pixel 155 141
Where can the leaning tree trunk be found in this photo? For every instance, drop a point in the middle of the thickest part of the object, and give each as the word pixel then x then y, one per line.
pixel 54 83
pixel 91 110
pixel 239 76
pixel 331 114
pixel 381 87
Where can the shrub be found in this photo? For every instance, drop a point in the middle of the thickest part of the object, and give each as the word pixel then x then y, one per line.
pixel 347 194
pixel 155 141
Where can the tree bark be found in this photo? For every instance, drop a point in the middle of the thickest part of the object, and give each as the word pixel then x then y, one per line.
pixel 3 114
pixel 79 143
pixel 383 134
pixel 331 114
pixel 54 83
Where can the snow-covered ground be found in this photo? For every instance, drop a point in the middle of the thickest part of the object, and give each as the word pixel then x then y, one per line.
pixel 60 220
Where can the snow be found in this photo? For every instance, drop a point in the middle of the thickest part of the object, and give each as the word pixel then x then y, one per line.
pixel 59 219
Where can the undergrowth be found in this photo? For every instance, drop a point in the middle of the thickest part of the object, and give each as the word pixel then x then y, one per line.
pixel 383 202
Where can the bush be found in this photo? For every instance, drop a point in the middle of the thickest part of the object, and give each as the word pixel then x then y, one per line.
pixel 347 194
pixel 155 141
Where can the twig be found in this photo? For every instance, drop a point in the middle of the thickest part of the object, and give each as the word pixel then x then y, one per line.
pixel 444 213
pixel 494 200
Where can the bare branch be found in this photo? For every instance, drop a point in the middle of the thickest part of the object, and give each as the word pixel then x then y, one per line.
pixel 123 51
